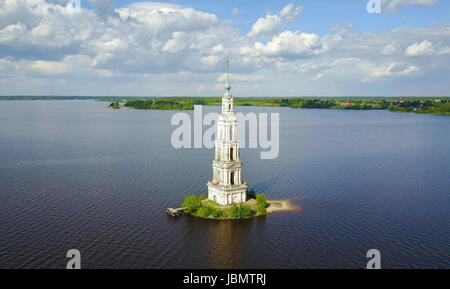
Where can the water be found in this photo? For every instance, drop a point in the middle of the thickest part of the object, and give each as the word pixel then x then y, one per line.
pixel 74 174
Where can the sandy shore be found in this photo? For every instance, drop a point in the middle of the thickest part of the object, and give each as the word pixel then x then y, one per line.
pixel 281 206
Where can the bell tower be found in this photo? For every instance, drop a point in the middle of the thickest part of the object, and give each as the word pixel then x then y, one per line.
pixel 226 187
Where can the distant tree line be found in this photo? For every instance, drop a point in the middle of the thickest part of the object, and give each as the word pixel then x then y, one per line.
pixel 431 105
pixel 405 104
pixel 166 104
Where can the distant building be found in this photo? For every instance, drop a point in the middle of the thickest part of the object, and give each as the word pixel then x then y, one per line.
pixel 226 187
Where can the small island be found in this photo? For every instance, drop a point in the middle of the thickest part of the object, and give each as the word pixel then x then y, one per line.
pixel 114 105
pixel 256 205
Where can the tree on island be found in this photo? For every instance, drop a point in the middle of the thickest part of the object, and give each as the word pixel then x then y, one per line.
pixel 191 204
pixel 261 202
pixel 114 105
pixel 241 211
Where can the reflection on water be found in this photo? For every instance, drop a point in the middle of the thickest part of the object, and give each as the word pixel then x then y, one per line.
pixel 74 174
pixel 226 240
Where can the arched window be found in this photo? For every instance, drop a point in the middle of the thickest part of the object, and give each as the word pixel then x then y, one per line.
pixel 232 178
pixel 231 154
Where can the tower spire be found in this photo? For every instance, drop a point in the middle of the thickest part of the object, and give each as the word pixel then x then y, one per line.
pixel 228 85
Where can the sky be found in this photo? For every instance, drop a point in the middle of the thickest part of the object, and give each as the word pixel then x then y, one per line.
pixel 178 48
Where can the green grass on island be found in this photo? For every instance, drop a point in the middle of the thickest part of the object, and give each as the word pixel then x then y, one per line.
pixel 256 205
pixel 428 105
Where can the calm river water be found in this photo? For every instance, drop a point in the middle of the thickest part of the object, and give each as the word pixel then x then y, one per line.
pixel 74 174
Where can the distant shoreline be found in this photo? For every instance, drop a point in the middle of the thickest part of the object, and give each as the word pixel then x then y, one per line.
pixel 439 106
pixel 422 105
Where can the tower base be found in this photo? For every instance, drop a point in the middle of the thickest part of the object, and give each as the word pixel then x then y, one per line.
pixel 227 195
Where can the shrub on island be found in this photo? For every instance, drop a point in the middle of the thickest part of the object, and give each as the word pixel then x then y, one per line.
pixel 114 105
pixel 241 211
pixel 216 213
pixel 191 204
pixel 261 203
pixel 204 211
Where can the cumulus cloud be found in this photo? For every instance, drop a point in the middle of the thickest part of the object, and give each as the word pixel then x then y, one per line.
pixel 48 30
pixel 268 25
pixel 418 49
pixel 287 44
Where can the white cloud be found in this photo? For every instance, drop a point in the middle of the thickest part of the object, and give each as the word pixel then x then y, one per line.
pixel 235 11
pixel 392 6
pixel 390 49
pixel 268 25
pixel 49 67
pixel 444 50
pixel 70 67
pixel 395 69
pixel 210 60
pixel 318 76
pixel 217 48
pixel 287 44
pixel 418 49
pixel 158 48
pixel 30 25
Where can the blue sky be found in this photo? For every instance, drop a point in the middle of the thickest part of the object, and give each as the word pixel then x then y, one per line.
pixel 276 48
pixel 320 15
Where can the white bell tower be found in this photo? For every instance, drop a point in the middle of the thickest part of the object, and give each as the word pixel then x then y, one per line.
pixel 226 187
